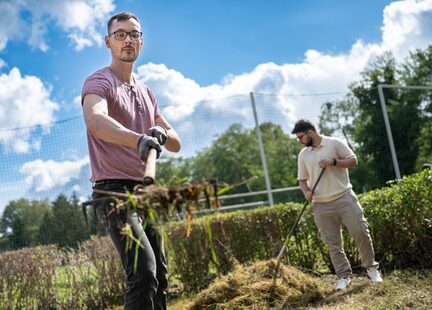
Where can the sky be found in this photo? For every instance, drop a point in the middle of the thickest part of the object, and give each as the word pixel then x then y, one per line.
pixel 195 54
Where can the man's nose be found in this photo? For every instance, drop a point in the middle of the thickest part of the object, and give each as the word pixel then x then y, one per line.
pixel 128 38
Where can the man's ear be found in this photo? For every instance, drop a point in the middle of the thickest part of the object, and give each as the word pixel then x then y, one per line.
pixel 107 42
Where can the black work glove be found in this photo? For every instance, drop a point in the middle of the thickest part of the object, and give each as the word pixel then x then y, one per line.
pixel 145 143
pixel 159 132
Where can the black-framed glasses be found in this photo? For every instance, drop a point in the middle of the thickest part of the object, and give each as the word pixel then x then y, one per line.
pixel 121 35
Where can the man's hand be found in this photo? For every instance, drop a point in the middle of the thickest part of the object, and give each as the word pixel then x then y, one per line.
pixel 308 195
pixel 159 132
pixel 145 143
pixel 327 162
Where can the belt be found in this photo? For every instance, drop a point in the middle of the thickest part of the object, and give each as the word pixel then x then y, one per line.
pixel 124 182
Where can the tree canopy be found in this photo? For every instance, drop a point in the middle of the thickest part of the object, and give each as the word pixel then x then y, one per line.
pixel 359 118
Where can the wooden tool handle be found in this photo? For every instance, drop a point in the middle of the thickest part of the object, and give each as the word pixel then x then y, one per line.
pixel 150 168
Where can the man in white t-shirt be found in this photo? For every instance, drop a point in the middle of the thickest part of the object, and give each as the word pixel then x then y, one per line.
pixel 334 202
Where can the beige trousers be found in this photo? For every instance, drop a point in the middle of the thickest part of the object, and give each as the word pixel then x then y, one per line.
pixel 329 217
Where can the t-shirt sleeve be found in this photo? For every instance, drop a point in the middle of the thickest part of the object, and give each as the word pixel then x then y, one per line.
pixel 343 150
pixel 157 112
pixel 96 84
pixel 302 173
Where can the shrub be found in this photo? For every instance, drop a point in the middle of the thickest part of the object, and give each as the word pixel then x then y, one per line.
pixel 242 236
pixel 94 276
pixel 400 217
pixel 27 278
pixel 45 277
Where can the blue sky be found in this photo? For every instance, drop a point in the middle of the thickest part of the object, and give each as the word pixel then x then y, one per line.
pixel 195 53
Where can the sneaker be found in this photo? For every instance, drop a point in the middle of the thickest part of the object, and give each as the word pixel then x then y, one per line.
pixel 342 283
pixel 374 275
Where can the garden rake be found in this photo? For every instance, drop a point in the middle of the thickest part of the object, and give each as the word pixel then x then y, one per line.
pixel 285 245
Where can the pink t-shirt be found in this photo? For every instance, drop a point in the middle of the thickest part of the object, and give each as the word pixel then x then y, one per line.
pixel 132 106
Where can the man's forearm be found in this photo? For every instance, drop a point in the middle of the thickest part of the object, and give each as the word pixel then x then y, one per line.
pixel 346 162
pixel 173 143
pixel 304 186
pixel 108 129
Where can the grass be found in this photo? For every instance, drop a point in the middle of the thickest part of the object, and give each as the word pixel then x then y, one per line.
pixel 400 290
pixel 62 284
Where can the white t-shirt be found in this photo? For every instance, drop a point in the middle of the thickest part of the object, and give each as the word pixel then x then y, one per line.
pixel 335 181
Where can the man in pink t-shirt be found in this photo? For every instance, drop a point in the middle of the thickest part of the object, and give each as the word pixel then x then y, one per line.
pixel 123 123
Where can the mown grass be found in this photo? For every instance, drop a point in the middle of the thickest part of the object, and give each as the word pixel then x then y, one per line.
pixel 400 290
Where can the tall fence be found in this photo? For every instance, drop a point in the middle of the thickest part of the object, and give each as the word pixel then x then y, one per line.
pixel 56 159
pixel 40 163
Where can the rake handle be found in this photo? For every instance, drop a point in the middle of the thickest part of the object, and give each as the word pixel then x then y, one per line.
pixel 299 217
pixel 150 168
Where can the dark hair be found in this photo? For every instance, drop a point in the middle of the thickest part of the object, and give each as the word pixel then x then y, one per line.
pixel 121 17
pixel 303 125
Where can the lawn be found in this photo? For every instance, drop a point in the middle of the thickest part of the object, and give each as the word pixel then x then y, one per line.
pixel 400 290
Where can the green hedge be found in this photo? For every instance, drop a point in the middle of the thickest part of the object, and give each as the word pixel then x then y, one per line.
pixel 242 236
pixel 400 218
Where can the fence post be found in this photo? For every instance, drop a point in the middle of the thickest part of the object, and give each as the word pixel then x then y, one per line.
pixel 262 153
pixel 386 119
pixel 389 133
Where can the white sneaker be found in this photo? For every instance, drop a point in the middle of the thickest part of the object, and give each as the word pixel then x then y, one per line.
pixel 374 275
pixel 342 283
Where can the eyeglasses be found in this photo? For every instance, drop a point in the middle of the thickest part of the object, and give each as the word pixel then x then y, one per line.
pixel 121 35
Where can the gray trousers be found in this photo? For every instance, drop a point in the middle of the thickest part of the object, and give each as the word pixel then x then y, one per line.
pixel 329 218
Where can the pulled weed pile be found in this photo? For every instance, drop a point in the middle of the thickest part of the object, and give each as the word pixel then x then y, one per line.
pixel 164 201
pixel 251 287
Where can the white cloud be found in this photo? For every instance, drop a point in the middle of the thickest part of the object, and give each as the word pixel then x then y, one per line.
pixel 24 102
pixel 45 175
pixel 80 19
pixel 10 23
pixel 178 92
pixel 9 191
pixel 77 101
pixel 48 179
pixel 407 25
pixel 181 97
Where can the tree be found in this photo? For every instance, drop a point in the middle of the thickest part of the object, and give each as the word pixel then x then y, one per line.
pixel 64 224
pixel 281 153
pixel 234 158
pixel 369 132
pixel 409 113
pixel 21 220
pixel 418 71
pixel 171 169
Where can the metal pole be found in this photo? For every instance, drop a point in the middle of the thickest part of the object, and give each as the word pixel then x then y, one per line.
pixel 262 153
pixel 389 133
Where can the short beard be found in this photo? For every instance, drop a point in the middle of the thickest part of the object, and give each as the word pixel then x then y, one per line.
pixel 131 58
pixel 309 141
